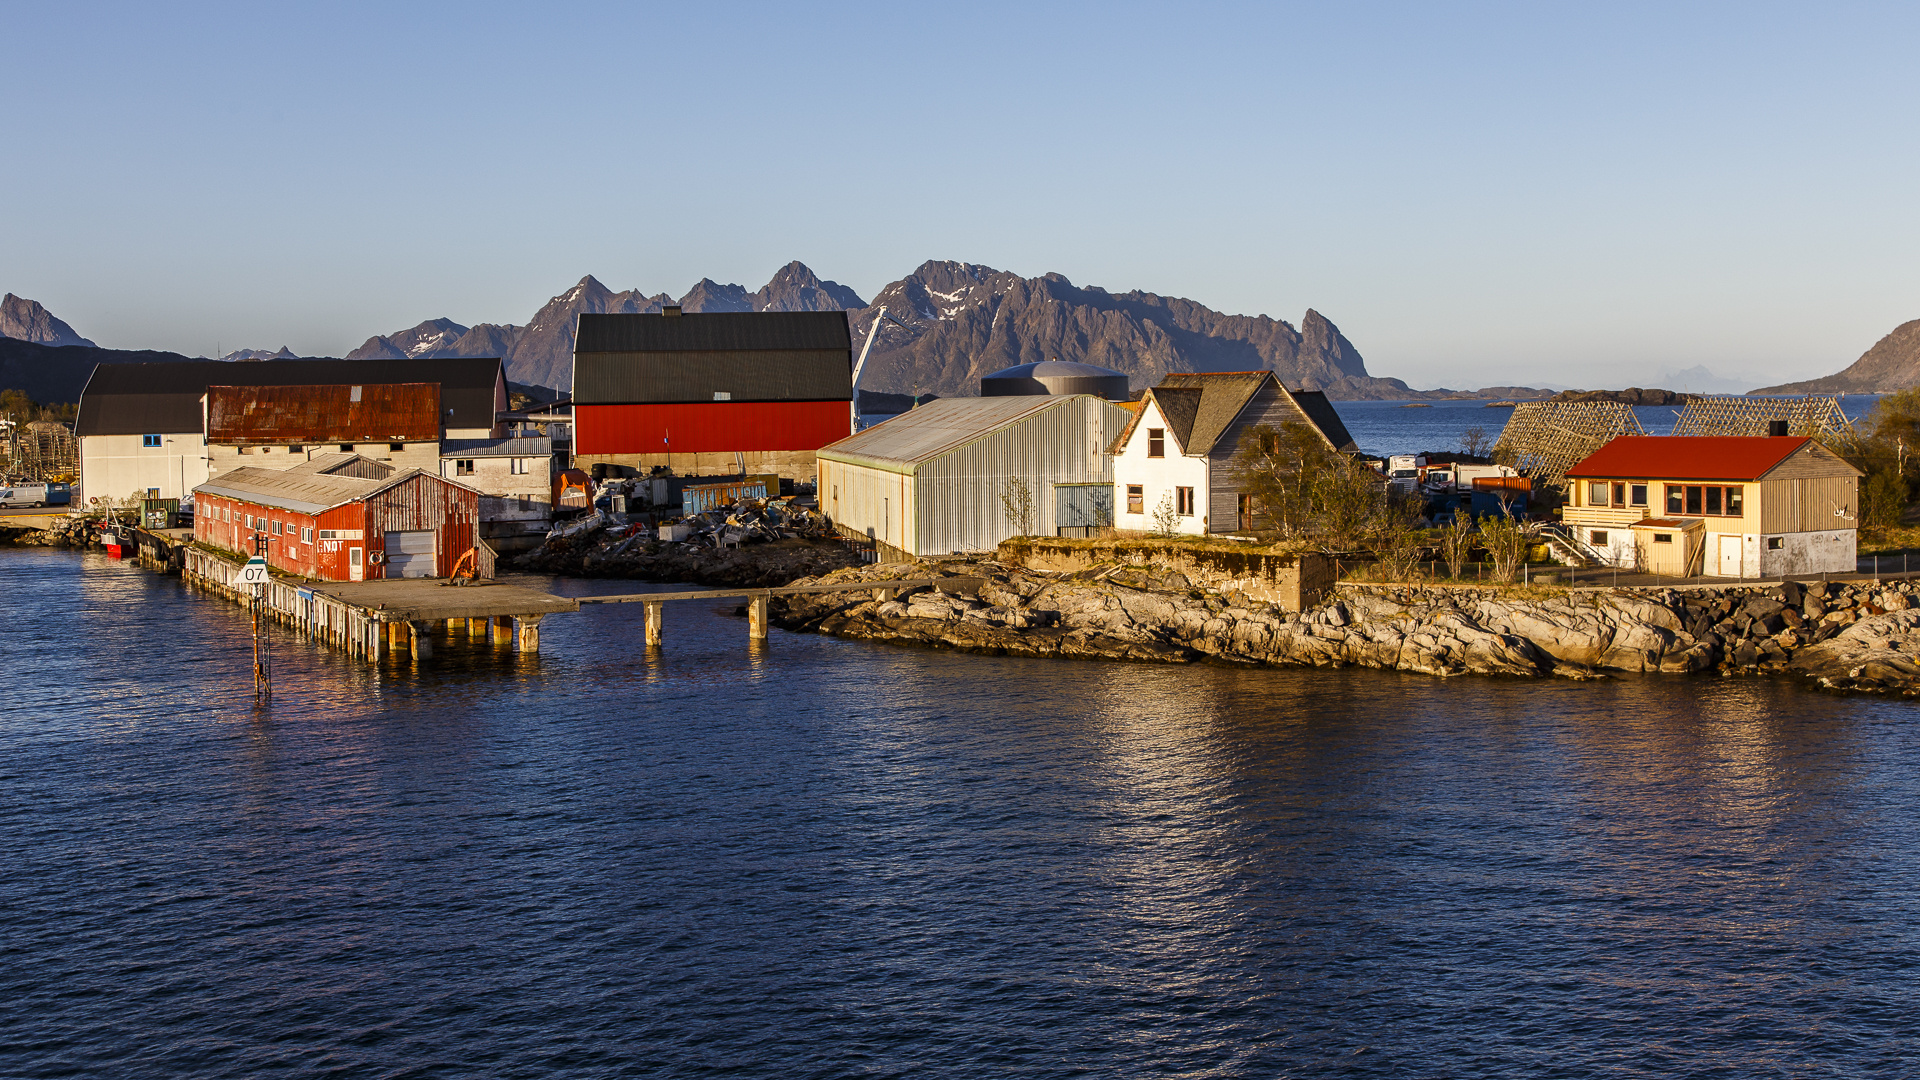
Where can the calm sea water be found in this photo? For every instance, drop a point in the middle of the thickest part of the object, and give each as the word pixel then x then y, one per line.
pixel 826 858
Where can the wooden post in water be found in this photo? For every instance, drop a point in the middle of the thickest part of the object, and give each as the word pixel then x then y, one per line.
pixel 502 629
pixel 477 628
pixel 527 630
pixel 655 612
pixel 757 617
pixel 422 644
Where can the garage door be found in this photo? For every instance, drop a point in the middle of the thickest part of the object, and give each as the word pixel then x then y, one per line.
pixel 410 554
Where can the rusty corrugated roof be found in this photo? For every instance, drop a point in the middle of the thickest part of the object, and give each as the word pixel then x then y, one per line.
pixel 328 413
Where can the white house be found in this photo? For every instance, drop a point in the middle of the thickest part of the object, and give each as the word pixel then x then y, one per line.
pixel 515 479
pixel 1176 456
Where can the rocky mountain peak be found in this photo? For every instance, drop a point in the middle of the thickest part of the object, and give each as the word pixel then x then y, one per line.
pixel 709 295
pixel 26 320
pixel 794 287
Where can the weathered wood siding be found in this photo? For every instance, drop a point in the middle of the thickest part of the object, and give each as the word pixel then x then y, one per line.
pixel 1227 479
pixel 1808 504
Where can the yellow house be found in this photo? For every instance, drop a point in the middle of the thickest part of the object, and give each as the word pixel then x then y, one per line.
pixel 1726 506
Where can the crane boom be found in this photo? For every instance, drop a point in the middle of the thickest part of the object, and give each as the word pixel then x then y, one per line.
pixel 861 364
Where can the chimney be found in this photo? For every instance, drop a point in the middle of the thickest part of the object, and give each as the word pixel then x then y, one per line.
pixel 1776 428
pixel 671 311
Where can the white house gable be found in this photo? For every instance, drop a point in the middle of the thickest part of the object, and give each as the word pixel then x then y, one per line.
pixel 1152 466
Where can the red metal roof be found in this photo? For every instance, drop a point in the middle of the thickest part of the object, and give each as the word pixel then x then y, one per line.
pixel 368 412
pixel 1688 457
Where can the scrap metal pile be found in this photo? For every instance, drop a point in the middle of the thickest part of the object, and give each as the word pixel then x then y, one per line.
pixel 757 542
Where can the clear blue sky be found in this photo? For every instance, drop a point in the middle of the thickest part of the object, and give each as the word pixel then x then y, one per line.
pixel 1571 193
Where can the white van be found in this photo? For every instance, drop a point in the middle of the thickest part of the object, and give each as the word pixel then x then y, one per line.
pixel 23 495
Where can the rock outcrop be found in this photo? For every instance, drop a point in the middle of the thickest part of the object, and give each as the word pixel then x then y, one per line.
pixel 1841 635
pixel 1893 363
pixel 25 320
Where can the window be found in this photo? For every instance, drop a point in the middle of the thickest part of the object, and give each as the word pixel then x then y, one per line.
pixel 1713 500
pixel 1663 538
pixel 1775 543
pixel 246 449
pixel 249 521
pixel 1597 493
pixel 353 558
pixel 276 528
pixel 520 466
pixel 1619 494
pixel 1246 512
pixel 396 447
pixel 1156 442
pixel 1639 495
pixel 1736 506
pixel 306 535
pixel 463 467
pixel 1675 504
pixel 1183 501
pixel 149 440
pixel 1136 499
pixel 296 449
pixel 1597 537
pixel 1695 499
pixel 153 493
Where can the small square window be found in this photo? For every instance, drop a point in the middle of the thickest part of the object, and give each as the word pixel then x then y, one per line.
pixel 1597 493
pixel 346 448
pixel 1157 442
pixel 1639 494
pixel 520 466
pixel 396 447
pixel 1775 543
pixel 1136 499
pixel 1663 538
pixel 1598 537
pixel 463 467
pixel 149 440
pixel 296 449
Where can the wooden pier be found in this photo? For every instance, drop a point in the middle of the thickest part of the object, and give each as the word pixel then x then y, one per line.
pixel 656 602
pixel 372 618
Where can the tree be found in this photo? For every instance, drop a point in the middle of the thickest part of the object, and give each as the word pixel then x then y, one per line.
pixel 1165 521
pixel 1475 442
pixel 1302 488
pixel 1456 542
pixel 1016 501
pixel 1884 451
pixel 1507 539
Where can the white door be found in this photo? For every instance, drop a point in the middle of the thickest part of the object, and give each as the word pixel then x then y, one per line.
pixel 1729 556
pixel 355 571
pixel 410 554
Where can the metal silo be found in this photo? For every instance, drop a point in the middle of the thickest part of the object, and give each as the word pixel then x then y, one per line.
pixel 1056 378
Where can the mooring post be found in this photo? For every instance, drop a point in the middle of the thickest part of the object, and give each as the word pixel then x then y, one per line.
pixel 379 632
pixel 655 612
pixel 418 634
pixel 757 617
pixel 477 628
pixel 502 629
pixel 527 629
pixel 884 595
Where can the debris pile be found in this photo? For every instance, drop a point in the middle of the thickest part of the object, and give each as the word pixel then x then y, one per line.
pixel 73 530
pixel 755 542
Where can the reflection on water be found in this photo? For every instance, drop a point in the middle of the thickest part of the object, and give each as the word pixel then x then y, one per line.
pixel 821 857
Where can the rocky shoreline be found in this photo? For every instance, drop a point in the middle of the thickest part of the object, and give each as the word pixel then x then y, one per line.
pixel 1854 636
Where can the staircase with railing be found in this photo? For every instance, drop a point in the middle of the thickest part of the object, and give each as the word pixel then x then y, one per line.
pixel 1566 547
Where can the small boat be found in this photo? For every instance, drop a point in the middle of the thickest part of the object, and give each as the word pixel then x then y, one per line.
pixel 117 546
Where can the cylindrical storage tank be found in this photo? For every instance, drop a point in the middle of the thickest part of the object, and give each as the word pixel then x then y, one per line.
pixel 1056 378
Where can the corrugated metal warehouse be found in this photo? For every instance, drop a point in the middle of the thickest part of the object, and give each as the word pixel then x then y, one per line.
pixel 712 392
pixel 931 481
pixel 323 522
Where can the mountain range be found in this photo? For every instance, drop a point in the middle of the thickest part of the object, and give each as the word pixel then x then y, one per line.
pixel 1893 363
pixel 955 322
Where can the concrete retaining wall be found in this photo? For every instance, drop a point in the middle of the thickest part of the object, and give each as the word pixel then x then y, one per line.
pixel 1293 580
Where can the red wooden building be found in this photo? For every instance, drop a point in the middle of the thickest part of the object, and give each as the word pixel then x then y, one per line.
pixel 712 391
pixel 322 522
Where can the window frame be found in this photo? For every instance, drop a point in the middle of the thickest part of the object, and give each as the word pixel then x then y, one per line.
pixel 1136 498
pixel 1183 501
pixel 1156 442
pixel 151 442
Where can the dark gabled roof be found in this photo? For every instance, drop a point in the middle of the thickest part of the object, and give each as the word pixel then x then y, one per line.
pixel 1179 405
pixel 745 355
pixel 1319 410
pixel 1201 405
pixel 323 413
pixel 146 399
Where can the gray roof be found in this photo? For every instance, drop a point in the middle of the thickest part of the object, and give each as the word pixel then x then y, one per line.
pixel 150 399
pixel 746 355
pixel 302 491
pixel 1201 406
pixel 933 429
pixel 524 446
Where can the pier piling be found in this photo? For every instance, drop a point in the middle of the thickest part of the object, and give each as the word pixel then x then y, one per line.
pixel 655 613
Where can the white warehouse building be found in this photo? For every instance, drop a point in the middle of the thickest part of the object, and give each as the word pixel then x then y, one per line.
pixel 935 480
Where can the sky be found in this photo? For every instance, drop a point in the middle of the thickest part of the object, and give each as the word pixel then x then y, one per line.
pixel 1477 194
